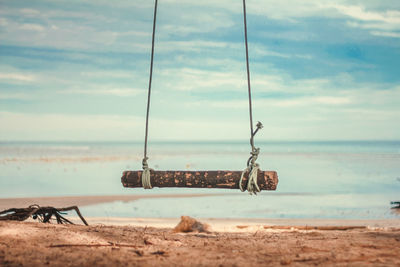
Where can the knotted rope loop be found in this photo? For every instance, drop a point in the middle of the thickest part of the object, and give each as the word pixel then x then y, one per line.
pixel 254 155
pixel 252 166
pixel 146 182
pixel 252 169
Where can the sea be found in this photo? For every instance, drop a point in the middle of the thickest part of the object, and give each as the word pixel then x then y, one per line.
pixel 321 179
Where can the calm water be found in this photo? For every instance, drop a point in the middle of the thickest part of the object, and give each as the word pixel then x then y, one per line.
pixel 316 179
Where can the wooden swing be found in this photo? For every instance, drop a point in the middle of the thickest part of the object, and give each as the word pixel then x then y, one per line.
pixel 251 179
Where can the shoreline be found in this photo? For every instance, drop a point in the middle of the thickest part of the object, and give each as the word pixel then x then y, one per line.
pixel 243 225
pixel 80 201
pixel 219 224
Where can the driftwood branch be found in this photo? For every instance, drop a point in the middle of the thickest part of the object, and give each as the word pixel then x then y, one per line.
pixel 267 180
pixel 396 204
pixel 42 214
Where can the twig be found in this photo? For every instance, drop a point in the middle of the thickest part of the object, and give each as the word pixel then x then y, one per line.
pixel 95 245
pixel 322 228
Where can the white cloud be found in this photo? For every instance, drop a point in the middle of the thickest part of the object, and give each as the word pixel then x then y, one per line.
pixel 310 101
pixel 19 96
pixel 188 79
pixel 69 33
pixel 17 77
pixel 283 9
pixel 359 13
pixel 106 127
pixel 281 103
pixel 32 27
pixel 202 21
pixel 3 22
pixel 29 11
pixel 386 34
pixel 104 91
pixel 64 127
pixel 232 78
pixel 109 74
pixel 387 22
pixel 194 46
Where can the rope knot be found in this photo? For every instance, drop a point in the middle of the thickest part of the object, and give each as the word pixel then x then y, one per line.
pixel 252 166
pixel 146 182
pixel 252 169
pixel 145 165
pixel 252 186
pixel 254 155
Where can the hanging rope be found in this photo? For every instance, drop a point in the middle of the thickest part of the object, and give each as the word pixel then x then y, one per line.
pixel 146 171
pixel 252 166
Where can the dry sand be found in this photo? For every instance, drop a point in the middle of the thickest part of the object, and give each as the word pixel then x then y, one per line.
pixel 37 244
pixel 230 242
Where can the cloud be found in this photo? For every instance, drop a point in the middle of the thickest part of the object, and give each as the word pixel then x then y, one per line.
pixel 32 27
pixel 30 11
pixel 122 92
pixel 314 94
pixel 387 22
pixel 283 10
pixel 73 29
pixel 312 101
pixel 282 103
pixel 55 126
pixel 359 13
pixel 3 22
pixel 19 77
pixel 109 74
pixel 18 96
pixel 184 23
pixel 106 127
pixel 193 46
pixel 386 34
pixel 188 79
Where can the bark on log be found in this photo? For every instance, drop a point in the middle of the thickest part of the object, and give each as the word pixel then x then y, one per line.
pixel 267 180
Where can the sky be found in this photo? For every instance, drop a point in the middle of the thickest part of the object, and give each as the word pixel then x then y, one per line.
pixel 320 70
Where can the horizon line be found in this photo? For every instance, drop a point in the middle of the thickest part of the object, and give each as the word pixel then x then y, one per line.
pixel 203 141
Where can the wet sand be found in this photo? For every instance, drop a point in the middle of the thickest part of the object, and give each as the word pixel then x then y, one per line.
pixel 65 201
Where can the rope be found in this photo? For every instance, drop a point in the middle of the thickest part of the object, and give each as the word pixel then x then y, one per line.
pixel 252 166
pixel 146 182
pixel 252 186
pixel 146 171
pixel 247 66
pixel 252 169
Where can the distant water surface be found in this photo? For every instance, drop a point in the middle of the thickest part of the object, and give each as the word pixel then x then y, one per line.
pixel 347 179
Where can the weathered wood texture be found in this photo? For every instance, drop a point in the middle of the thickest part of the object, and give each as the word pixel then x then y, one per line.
pixel 267 180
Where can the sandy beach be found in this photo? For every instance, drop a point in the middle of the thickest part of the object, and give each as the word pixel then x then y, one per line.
pixel 37 244
pixel 229 242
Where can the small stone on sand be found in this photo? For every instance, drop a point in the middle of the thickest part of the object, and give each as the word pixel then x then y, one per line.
pixel 189 224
